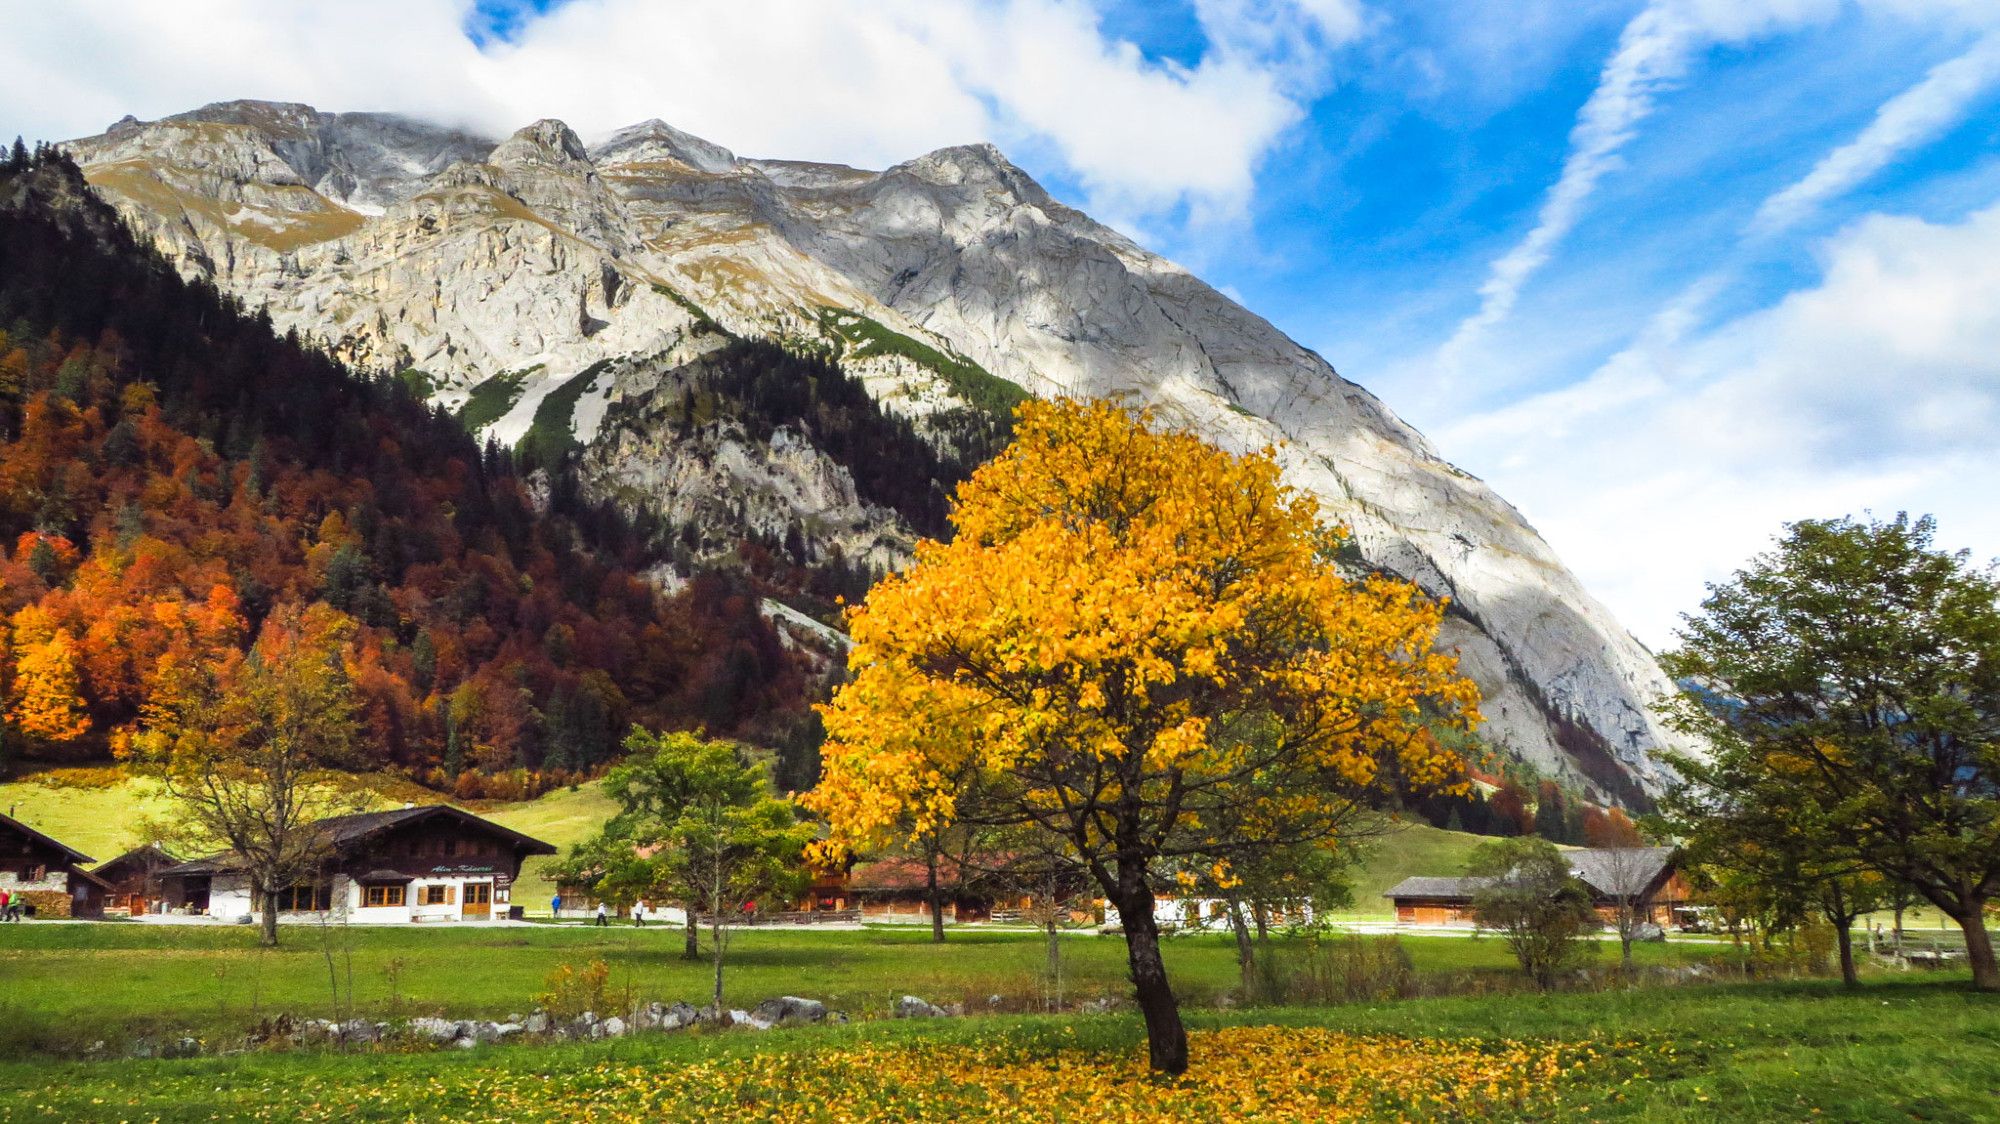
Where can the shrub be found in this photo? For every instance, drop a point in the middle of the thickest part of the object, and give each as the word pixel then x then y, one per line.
pixel 570 992
pixel 1350 969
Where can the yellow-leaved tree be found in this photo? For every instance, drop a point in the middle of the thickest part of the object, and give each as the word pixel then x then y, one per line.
pixel 1133 640
pixel 48 702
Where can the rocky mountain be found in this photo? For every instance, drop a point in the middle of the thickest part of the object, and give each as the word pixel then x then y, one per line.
pixel 599 298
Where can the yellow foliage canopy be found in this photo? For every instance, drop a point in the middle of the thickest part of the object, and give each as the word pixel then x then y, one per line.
pixel 47 689
pixel 1134 630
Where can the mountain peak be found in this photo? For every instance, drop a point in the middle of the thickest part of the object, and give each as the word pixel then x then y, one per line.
pixel 975 165
pixel 654 140
pixel 278 116
pixel 547 141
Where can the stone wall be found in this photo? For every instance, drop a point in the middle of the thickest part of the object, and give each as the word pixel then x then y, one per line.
pixel 47 903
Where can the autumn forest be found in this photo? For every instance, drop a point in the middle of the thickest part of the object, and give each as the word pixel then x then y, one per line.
pixel 173 475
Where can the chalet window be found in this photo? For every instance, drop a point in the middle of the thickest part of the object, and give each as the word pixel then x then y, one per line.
pixel 35 872
pixel 435 895
pixel 305 899
pixel 381 894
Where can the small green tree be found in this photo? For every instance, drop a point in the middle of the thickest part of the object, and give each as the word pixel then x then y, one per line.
pixel 698 824
pixel 1527 893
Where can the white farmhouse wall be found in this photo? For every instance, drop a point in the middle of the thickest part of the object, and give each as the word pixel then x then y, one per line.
pixel 229 896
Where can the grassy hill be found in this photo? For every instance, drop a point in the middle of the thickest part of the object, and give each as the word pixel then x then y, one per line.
pixel 1411 848
pixel 103 813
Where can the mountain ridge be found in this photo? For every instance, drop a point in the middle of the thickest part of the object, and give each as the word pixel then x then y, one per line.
pixel 547 256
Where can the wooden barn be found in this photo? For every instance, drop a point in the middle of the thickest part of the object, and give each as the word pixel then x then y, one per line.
pixel 1649 876
pixel 1433 901
pixel 37 871
pixel 134 879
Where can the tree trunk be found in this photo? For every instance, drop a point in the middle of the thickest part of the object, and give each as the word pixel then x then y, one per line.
pixel 1843 933
pixel 1263 916
pixel 1979 946
pixel 715 949
pixel 715 932
pixel 1842 918
pixel 270 935
pixel 1628 924
pixel 936 898
pixel 691 947
pixel 1246 952
pixel 1166 1038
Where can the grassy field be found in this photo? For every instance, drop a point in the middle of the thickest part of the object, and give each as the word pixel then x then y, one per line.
pixel 151 980
pixel 1916 1049
pixel 106 819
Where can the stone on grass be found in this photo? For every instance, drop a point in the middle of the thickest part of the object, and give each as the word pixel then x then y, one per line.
pixel 788 1010
pixel 679 1016
pixel 911 1007
pixel 437 1030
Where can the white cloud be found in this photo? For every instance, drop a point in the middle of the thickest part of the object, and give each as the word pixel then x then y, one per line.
pixel 849 80
pixel 1912 117
pixel 1877 388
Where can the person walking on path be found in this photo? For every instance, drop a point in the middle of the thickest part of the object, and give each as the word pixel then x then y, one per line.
pixel 555 907
pixel 639 915
pixel 603 918
pixel 7 907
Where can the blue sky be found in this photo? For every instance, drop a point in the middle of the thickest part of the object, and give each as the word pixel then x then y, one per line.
pixel 1665 272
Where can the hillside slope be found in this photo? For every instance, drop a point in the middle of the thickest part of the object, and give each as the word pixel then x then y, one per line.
pixel 507 275
pixel 172 474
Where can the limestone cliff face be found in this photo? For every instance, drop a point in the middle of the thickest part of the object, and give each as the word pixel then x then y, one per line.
pixel 536 281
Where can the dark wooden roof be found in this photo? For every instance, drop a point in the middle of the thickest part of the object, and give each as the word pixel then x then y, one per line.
pixel 1610 872
pixel 147 858
pixel 9 823
pixel 898 873
pixel 347 832
pixel 1426 887
pixel 1621 872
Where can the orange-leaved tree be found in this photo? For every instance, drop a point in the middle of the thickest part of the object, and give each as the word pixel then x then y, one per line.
pixel 1131 632
pixel 255 750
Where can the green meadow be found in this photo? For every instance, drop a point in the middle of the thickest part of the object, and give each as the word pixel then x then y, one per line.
pixel 1916 1048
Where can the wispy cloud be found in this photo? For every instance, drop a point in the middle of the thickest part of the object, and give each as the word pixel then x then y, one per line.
pixel 1912 117
pixel 1652 54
